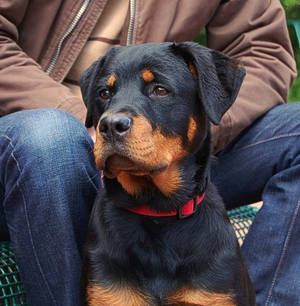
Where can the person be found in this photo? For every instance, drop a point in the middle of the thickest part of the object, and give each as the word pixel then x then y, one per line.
pixel 48 177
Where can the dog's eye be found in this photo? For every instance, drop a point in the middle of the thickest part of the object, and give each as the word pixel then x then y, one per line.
pixel 105 94
pixel 160 91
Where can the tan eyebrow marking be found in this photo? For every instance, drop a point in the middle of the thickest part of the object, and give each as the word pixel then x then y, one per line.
pixel 111 80
pixel 148 76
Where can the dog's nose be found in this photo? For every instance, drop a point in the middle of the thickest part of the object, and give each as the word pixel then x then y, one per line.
pixel 115 125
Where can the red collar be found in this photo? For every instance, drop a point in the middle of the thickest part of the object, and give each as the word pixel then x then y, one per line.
pixel 186 210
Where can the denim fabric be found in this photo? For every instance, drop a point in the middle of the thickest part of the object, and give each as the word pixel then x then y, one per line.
pixel 264 163
pixel 48 183
pixel 47 186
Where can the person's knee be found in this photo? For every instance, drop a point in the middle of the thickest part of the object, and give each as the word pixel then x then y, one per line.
pixel 49 134
pixel 288 113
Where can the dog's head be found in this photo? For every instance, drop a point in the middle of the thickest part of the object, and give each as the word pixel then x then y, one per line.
pixel 151 104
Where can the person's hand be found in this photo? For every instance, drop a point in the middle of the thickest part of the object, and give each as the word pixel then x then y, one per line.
pixel 92 133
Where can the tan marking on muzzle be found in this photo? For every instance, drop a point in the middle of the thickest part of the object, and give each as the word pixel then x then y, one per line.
pixel 98 148
pixel 152 148
pixel 148 76
pixel 134 184
pixel 168 181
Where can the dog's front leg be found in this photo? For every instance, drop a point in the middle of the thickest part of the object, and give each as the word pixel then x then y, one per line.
pixel 116 295
pixel 198 297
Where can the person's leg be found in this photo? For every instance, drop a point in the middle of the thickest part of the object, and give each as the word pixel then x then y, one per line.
pixel 48 182
pixel 264 163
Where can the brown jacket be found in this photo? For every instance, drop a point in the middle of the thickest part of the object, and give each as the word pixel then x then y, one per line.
pixel 38 36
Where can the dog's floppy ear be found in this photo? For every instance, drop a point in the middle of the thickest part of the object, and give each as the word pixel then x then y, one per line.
pixel 87 83
pixel 219 77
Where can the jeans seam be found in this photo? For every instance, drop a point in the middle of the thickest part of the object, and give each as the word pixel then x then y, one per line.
pixel 27 221
pixel 283 253
pixel 265 140
pixel 90 178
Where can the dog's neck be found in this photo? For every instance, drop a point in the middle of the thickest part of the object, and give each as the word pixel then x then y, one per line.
pixel 183 212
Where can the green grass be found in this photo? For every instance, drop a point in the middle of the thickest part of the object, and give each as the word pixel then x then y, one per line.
pixel 294 93
pixel 292 10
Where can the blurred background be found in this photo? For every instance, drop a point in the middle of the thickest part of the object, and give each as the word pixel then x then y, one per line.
pixel 292 9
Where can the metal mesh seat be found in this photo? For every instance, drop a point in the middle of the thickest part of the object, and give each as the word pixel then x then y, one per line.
pixel 11 288
pixel 241 219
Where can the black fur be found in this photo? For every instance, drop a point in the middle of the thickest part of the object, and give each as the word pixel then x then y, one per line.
pixel 160 255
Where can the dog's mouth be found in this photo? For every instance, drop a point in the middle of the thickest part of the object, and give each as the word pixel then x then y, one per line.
pixel 116 163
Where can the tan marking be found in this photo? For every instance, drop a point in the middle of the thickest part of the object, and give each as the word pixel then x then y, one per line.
pixel 116 296
pixel 134 184
pixel 192 129
pixel 111 80
pixel 148 76
pixel 193 70
pixel 195 297
pixel 98 148
pixel 169 180
pixel 152 148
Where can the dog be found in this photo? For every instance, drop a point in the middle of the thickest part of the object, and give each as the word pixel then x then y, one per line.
pixel 159 233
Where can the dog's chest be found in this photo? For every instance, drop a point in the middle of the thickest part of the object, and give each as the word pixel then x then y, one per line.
pixel 158 258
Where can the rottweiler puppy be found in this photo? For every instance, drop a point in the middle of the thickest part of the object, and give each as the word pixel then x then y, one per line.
pixel 159 233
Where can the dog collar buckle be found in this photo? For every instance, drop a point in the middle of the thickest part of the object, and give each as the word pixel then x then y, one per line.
pixel 189 208
pixel 184 216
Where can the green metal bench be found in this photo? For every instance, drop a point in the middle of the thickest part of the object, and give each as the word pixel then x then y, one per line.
pixel 11 288
pixel 241 219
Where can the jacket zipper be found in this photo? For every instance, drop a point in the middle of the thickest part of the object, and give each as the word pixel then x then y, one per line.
pixel 75 22
pixel 66 35
pixel 132 5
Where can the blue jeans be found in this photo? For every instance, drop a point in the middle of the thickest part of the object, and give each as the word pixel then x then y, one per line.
pixel 48 183
pixel 47 186
pixel 264 163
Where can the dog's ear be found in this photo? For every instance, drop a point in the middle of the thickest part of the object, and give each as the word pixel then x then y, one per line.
pixel 219 77
pixel 87 82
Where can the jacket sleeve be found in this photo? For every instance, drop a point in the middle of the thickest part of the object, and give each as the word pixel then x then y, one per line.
pixel 23 84
pixel 254 32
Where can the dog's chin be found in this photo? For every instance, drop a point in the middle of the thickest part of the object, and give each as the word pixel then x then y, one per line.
pixel 116 164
